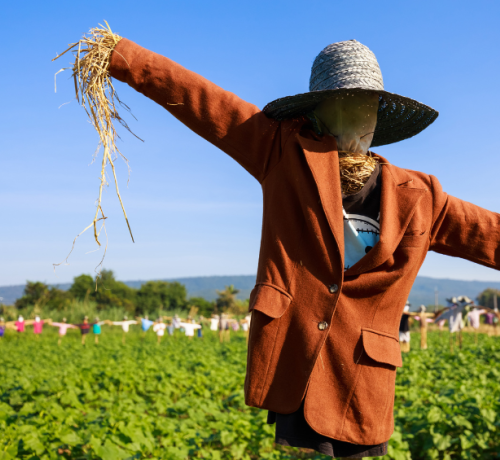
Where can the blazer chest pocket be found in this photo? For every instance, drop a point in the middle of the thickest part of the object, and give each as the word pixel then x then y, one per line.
pixel 414 239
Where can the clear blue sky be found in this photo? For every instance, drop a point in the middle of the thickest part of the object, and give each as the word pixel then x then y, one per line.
pixel 193 210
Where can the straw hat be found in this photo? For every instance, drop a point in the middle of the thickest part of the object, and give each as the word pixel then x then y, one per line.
pixel 347 67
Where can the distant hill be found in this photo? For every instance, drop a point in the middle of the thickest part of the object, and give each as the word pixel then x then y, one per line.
pixel 206 286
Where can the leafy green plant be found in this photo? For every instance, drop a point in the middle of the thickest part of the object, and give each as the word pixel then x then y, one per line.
pixel 183 399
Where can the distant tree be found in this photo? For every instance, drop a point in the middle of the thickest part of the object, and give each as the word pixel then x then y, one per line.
pixel 82 287
pixel 109 293
pixel 39 295
pixel 59 299
pixel 205 307
pixel 227 298
pixel 154 295
pixel 35 293
pixel 240 307
pixel 113 293
pixel 485 299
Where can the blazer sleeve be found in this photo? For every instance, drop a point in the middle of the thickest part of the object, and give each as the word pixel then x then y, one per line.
pixel 237 127
pixel 462 229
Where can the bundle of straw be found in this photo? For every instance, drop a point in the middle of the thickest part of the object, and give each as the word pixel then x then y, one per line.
pixel 95 92
pixel 355 170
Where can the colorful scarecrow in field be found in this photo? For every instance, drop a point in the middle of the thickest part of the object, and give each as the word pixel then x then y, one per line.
pixel 245 325
pixel 404 329
pixel 84 328
pixel 159 328
pixel 146 323
pixel 38 325
pixel 189 327
pixel 214 323
pixel 63 328
pixel 455 314
pixel 97 329
pixel 21 323
pixel 345 231
pixel 125 324
pixel 224 331
pixel 474 319
pixel 423 318
pixel 170 324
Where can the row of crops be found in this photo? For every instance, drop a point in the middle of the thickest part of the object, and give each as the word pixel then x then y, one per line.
pixel 183 399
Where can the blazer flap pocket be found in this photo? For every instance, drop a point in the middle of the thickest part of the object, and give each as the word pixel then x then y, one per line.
pixel 269 299
pixel 382 347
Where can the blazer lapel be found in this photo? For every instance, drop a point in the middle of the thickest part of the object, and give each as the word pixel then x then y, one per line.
pixel 398 202
pixel 322 158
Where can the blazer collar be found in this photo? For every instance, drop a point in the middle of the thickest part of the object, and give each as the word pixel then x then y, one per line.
pixel 323 160
pixel 398 202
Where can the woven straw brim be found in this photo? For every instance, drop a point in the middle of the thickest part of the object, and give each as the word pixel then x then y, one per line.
pixel 398 117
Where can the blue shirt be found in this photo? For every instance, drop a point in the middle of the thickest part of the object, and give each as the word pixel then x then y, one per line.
pixel 362 219
pixel 360 235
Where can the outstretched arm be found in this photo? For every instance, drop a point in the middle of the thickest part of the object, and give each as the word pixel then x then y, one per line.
pixel 462 229
pixel 237 127
pixel 438 313
pixel 490 310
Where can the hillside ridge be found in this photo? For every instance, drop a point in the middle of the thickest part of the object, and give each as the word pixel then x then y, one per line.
pixel 206 286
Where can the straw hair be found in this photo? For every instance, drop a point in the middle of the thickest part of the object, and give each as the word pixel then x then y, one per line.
pixel 95 92
pixel 355 170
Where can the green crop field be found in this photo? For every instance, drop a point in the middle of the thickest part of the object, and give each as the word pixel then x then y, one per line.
pixel 184 399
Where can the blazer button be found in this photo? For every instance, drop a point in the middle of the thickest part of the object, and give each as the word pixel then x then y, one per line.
pixel 333 288
pixel 322 326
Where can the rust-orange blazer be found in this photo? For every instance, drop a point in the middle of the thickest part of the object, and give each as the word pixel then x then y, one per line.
pixel 317 332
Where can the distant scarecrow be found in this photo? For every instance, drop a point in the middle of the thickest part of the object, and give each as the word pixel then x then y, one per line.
pixel 344 232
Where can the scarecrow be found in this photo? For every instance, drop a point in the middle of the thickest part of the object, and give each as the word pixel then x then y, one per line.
pixel 84 328
pixel 146 323
pixel 404 329
pixel 63 329
pixel 96 329
pixel 423 319
pixel 125 324
pixel 189 327
pixel 3 326
pixel 159 328
pixel 38 325
pixel 344 234
pixel 456 313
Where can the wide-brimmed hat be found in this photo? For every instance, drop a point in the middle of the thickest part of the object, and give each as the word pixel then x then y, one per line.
pixel 349 67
